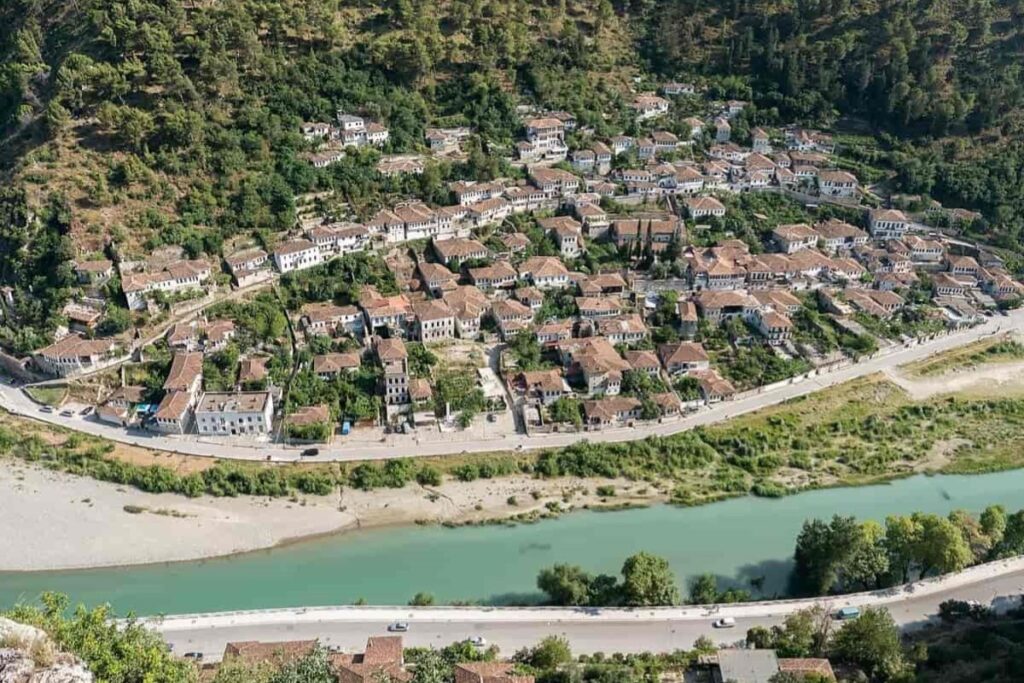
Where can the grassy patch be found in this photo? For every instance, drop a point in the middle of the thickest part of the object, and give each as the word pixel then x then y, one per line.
pixel 972 355
pixel 51 396
pixel 865 431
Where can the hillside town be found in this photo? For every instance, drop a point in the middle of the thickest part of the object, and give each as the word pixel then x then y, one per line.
pixel 604 283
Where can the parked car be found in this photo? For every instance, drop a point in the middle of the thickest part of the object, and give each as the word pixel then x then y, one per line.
pixel 398 627
pixel 478 641
pixel 67 413
pixel 724 622
pixel 310 452
pixel 46 409
pixel 86 411
pixel 847 613
pixel 194 656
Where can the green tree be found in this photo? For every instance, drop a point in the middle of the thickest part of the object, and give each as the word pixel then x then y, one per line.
pixel 422 599
pixel 1012 542
pixel 821 549
pixel 867 562
pixel 550 653
pixel 871 642
pixel 803 634
pixel 431 667
pixel 648 581
pixel 567 410
pixel 704 590
pixel 313 668
pixel 118 653
pixel 902 537
pixel 993 523
pixel 565 584
pixel 941 547
pixel 115 320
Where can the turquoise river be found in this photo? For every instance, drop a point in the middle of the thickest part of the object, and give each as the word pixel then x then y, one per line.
pixel 737 539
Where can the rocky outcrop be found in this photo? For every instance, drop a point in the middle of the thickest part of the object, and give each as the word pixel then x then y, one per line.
pixel 27 655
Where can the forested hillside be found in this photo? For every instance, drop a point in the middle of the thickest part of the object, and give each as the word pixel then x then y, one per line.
pixel 192 105
pixel 151 122
pixel 928 66
pixel 192 108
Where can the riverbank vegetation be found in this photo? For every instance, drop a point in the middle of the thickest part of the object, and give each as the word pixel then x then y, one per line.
pixel 986 351
pixel 843 555
pixel 647 581
pixel 91 457
pixel 865 431
pixel 837 556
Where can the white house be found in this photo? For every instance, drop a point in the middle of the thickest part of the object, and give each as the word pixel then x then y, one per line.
pixel 235 413
pixel 650 106
pixel 887 224
pixel 545 272
pixel 178 276
pixel 297 255
pixel 699 207
pixel 73 355
pixel 837 183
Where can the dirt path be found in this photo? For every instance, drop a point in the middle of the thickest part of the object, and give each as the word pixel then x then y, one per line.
pixel 1007 376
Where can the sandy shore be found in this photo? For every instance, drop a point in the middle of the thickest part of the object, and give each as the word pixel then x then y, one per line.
pixel 50 520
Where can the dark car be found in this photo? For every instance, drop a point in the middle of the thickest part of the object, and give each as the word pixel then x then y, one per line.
pixel 310 452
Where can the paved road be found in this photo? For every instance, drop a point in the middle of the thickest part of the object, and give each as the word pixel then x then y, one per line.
pixel 395 446
pixel 588 630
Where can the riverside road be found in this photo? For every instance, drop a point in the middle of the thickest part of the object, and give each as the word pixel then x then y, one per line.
pixel 588 630
pixel 432 443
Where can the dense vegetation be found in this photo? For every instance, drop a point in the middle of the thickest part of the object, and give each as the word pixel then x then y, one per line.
pixel 126 653
pixel 837 556
pixel 89 457
pixel 865 431
pixel 971 643
pixel 647 580
pixel 843 555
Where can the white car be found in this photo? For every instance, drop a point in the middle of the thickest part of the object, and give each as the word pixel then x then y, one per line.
pixel 398 627
pixel 478 641
pixel 724 622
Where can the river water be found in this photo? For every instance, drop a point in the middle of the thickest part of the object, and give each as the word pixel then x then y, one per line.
pixel 738 540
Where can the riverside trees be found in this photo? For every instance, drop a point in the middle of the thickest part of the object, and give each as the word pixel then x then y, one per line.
pixel 647 580
pixel 843 555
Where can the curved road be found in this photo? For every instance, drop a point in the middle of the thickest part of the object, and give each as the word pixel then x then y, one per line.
pixel 398 446
pixel 588 630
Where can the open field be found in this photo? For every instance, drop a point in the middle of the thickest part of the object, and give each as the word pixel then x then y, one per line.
pixel 1005 349
pixel 50 396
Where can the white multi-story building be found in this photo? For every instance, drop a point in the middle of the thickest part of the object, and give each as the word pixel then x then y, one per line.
pixel 73 355
pixel 241 413
pixel 297 255
pixel 887 224
pixel 649 106
pixel 837 183
pixel 175 277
